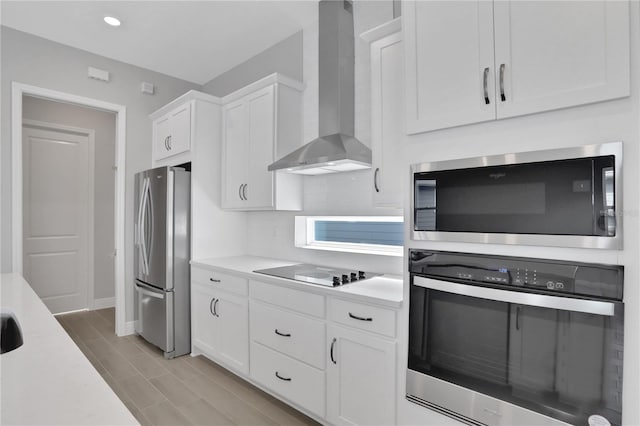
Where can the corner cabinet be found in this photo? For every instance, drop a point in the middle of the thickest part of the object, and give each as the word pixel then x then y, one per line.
pixel 467 62
pixel 387 121
pixel 261 123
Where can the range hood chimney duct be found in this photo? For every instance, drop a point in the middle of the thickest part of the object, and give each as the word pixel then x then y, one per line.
pixel 336 149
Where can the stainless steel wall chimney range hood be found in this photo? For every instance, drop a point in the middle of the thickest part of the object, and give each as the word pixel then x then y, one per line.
pixel 336 150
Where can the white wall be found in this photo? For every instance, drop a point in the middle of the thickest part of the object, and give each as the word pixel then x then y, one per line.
pixel 104 125
pixel 35 61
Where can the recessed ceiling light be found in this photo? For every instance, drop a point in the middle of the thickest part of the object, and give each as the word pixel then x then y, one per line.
pixel 114 22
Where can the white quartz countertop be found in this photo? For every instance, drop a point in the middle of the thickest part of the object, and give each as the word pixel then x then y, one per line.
pixel 48 380
pixel 384 290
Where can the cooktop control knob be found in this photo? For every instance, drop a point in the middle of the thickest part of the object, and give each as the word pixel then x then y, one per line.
pixel 354 277
pixel 345 279
pixel 361 275
pixel 336 281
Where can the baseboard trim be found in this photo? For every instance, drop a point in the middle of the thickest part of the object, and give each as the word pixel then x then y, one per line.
pixel 129 328
pixel 107 302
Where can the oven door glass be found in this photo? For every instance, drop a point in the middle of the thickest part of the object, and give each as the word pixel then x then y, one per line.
pixel 566 365
pixel 565 197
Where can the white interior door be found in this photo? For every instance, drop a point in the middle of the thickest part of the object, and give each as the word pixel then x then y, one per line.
pixel 57 216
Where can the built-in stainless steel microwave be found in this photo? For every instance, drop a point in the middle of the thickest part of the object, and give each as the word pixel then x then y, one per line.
pixel 566 197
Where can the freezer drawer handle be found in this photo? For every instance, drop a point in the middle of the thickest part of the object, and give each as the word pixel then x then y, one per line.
pixel 286 379
pixel 213 280
pixel 149 293
pixel 360 318
pixel 282 334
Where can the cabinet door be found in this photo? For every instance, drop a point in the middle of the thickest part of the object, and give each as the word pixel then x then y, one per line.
pixel 161 133
pixel 361 385
pixel 557 54
pixel 233 342
pixel 387 122
pixel 261 133
pixel 235 155
pixel 180 137
pixel 448 60
pixel 203 321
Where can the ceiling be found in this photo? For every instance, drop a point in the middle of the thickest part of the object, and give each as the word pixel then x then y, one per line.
pixel 191 40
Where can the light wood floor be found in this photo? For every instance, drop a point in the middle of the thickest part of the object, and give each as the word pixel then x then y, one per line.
pixel 183 391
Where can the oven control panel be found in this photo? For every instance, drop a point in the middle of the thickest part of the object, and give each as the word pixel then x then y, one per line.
pixel 526 273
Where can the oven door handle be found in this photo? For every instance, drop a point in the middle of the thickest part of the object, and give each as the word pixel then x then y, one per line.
pixel 530 299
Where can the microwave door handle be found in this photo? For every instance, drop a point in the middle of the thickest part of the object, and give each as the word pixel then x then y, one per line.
pixel 529 299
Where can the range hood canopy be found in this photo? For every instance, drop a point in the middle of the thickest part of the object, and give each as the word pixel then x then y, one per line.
pixel 336 149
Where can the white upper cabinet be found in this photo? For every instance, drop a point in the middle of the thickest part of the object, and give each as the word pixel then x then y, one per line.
pixel 387 120
pixel 172 133
pixel 557 54
pixel 448 47
pixel 473 61
pixel 262 122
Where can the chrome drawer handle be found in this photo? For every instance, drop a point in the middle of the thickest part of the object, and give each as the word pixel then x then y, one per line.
pixel 360 318
pixel 213 280
pixel 375 179
pixel 282 334
pixel 286 379
pixel 215 308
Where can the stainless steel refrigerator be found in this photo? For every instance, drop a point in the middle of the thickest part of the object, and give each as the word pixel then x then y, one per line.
pixel 161 253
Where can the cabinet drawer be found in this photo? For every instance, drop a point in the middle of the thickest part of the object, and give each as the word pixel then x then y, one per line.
pixel 297 382
pixel 220 281
pixel 365 317
pixel 296 300
pixel 294 335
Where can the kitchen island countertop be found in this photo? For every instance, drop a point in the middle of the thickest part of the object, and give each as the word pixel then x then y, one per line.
pixel 48 380
pixel 384 290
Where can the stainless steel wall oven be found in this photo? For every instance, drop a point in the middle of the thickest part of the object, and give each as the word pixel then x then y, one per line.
pixel 505 340
pixel 565 197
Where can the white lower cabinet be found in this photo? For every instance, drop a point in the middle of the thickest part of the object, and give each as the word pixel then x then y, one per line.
pixel 361 378
pixel 220 326
pixel 298 382
pixel 333 359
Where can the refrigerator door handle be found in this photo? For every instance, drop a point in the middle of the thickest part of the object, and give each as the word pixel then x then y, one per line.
pixel 143 233
pixel 151 293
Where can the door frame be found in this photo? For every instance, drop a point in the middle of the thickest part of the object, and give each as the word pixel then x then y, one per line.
pixel 90 134
pixel 18 90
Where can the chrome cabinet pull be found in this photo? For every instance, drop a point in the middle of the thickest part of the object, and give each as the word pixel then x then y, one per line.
pixel 244 191
pixel 282 334
pixel 211 306
pixel 485 83
pixel 333 343
pixel 169 142
pixel 375 179
pixel 286 379
pixel 213 280
pixel 502 96
pixel 360 318
pixel 240 191
pixel 215 308
pixel 166 143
